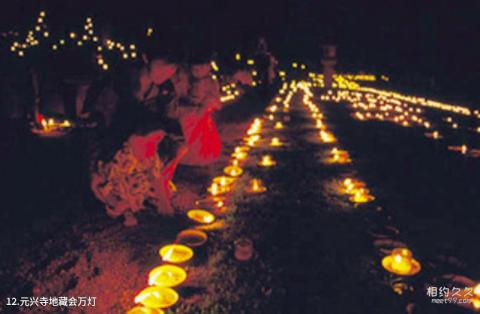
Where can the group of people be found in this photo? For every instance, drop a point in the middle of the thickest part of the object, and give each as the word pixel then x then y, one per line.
pixel 163 117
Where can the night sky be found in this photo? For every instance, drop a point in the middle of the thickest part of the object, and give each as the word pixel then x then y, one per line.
pixel 410 39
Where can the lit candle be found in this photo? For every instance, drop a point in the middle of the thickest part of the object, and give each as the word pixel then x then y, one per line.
pixel 351 186
pixel 157 297
pixel 256 186
pixel 476 298
pixel 276 142
pixel 401 265
pixel 216 189
pixel 201 216
pixel 278 125
pixel 361 196
pixel 224 180
pixel 319 125
pixel 233 171
pixel 401 262
pixel 166 276
pixel 239 155
pixel 242 149
pixel 144 310
pixel 176 253
pixel 267 161
pixel 327 137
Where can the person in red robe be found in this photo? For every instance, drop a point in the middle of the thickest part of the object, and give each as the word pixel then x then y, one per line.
pixel 199 127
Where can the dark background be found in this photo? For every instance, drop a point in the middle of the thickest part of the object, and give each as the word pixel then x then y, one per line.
pixel 429 46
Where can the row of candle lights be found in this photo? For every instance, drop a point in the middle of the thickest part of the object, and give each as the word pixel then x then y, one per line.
pixel 400 261
pixel 162 279
pixel 406 111
pixel 355 188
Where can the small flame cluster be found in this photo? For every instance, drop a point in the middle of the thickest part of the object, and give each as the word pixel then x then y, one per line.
pixel 47 126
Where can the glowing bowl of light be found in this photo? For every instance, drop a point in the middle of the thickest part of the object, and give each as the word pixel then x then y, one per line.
pixel 176 253
pixel 217 189
pixel 192 238
pixel 252 140
pixel 157 297
pixel 242 149
pixel 233 170
pixel 267 161
pixel 223 180
pixel 201 216
pixel 166 276
pixel 351 186
pixel 338 156
pixel 327 137
pixel 144 310
pixel 361 196
pixel 319 125
pixel 278 125
pixel 476 297
pixel 401 262
pixel 239 155
pixel 255 186
pixel 275 142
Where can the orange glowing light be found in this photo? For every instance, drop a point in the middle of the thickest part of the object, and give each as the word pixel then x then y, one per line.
pixel 463 149
pixel 401 262
pixel 192 238
pixel 217 189
pixel 201 216
pixel 144 310
pixel 351 185
pixel 157 297
pixel 327 137
pixel 319 125
pixel 361 196
pixel 339 156
pixel 278 125
pixel 256 186
pixel 435 135
pixel 476 298
pixel 176 253
pixel 267 161
pixel 275 142
pixel 217 225
pixel 233 171
pixel 166 276
pixel 242 149
pixel 224 180
pixel 239 155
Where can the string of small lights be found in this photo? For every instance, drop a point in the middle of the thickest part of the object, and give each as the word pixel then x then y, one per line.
pixel 86 38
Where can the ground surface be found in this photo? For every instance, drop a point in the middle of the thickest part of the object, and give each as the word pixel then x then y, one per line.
pixel 314 252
